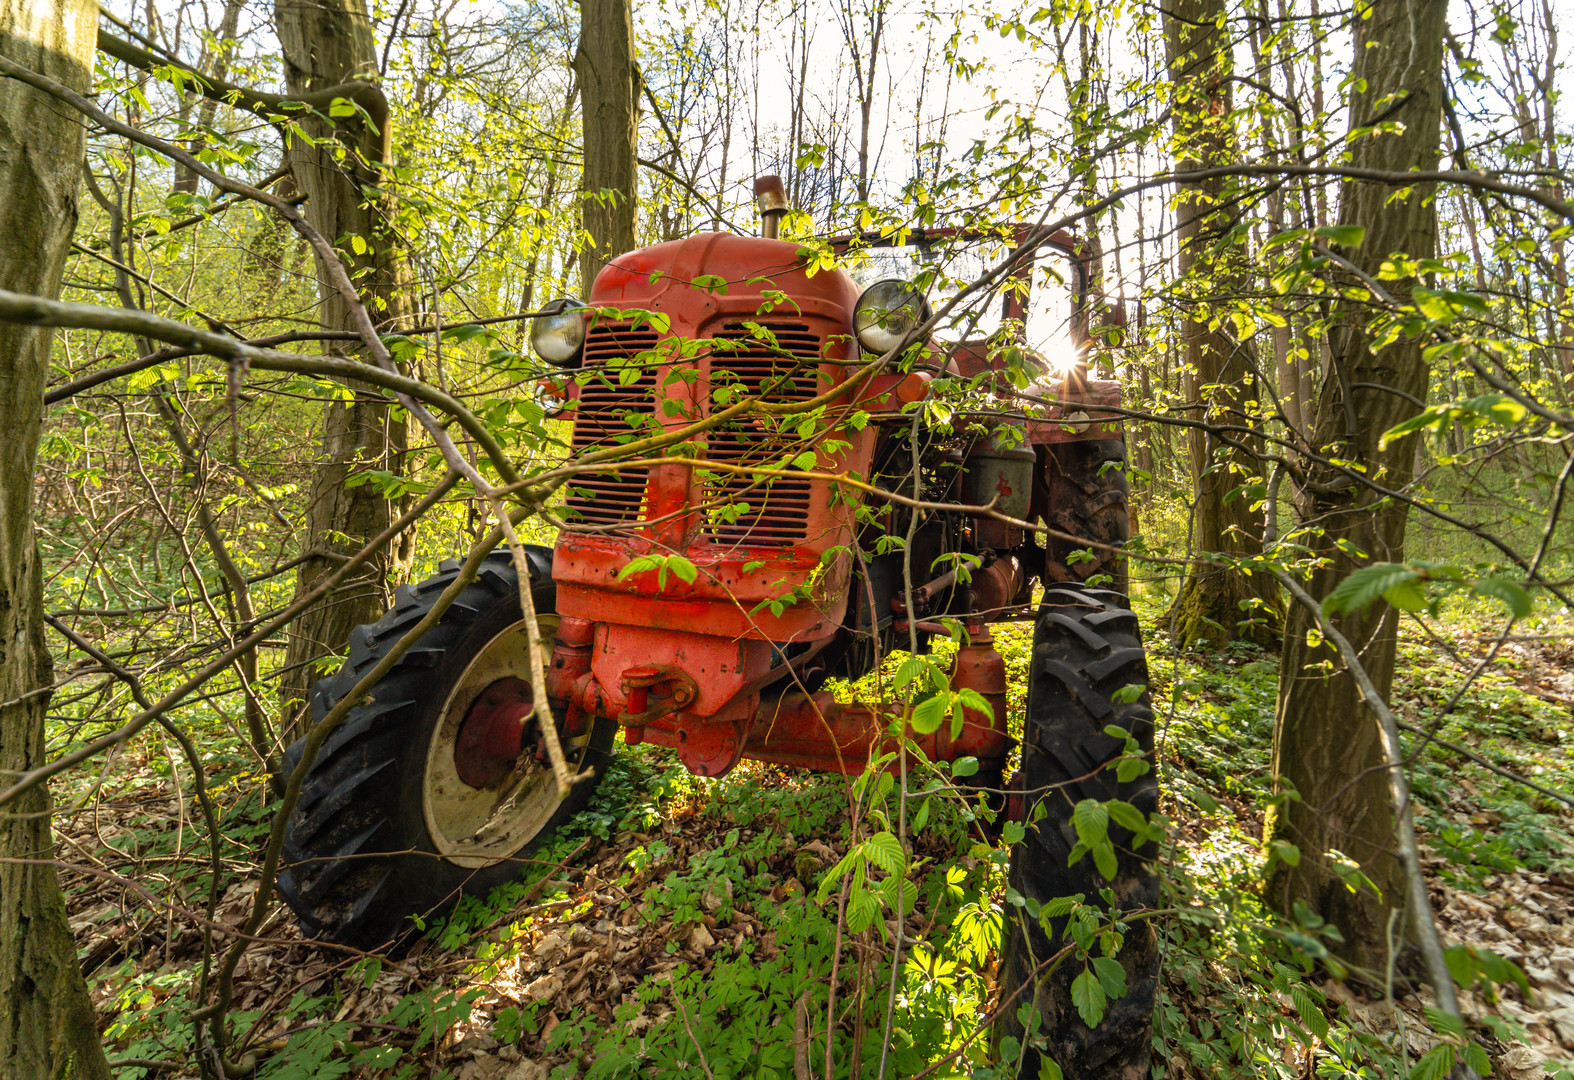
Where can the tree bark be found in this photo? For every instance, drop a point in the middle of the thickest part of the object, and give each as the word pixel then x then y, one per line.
pixel 872 15
pixel 609 83
pixel 1327 745
pixel 1215 604
pixel 47 1026
pixel 327 43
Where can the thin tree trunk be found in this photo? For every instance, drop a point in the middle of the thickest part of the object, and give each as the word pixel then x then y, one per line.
pixel 609 83
pixel 185 179
pixel 863 75
pixel 1563 335
pixel 1213 602
pixel 1327 742
pixel 325 43
pixel 47 1026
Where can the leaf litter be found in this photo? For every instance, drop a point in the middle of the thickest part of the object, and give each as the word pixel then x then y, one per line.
pixel 606 939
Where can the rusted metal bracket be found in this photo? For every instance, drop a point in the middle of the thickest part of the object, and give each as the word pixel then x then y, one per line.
pixel 674 689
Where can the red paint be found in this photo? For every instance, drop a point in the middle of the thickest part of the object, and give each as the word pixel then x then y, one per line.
pixel 492 733
pixel 698 665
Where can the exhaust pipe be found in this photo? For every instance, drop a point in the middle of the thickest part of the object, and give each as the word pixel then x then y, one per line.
pixel 771 197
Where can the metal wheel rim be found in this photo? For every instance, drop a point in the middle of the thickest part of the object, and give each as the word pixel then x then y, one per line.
pixel 458 816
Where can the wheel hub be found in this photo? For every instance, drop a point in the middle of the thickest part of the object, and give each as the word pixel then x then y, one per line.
pixel 494 732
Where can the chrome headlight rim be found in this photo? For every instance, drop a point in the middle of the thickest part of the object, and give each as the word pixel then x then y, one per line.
pixel 558 336
pixel 886 312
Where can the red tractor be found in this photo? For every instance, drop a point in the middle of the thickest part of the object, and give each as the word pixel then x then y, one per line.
pixel 788 511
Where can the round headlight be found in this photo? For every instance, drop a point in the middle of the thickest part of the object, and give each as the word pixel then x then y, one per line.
pixel 558 336
pixel 887 312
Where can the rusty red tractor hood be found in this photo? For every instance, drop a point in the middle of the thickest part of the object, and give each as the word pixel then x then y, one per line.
pixel 724 666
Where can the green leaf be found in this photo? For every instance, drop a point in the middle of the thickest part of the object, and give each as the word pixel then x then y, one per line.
pixel 1461 961
pixel 1047 1069
pixel 1477 1058
pixel 1472 412
pixel 836 873
pixel 1089 998
pixel 1126 695
pixel 1512 594
pixel 1445 305
pixel 1091 820
pixel 863 908
pixel 972 699
pixel 639 565
pixel 1306 1008
pixel 680 566
pixel 1060 905
pixel 885 851
pixel 657 321
pixel 1438 1063
pixel 1126 816
pixel 464 332
pixel 912 668
pixel 1280 239
pixel 930 713
pixel 895 889
pixel 1366 585
pixel 1111 976
pixel 966 766
pixel 1131 767
pixel 1502 970
pixel 1406 596
pixel 1348 236
pixel 1104 859
pixel 1444 1023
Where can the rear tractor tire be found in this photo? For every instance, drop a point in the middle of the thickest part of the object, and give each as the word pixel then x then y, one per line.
pixel 1086 648
pixel 407 806
pixel 1088 496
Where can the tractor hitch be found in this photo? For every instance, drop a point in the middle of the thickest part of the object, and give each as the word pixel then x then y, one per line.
pixel 653 691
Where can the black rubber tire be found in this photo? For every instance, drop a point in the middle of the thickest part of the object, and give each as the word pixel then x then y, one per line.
pixel 358 859
pixel 1086 646
pixel 1088 496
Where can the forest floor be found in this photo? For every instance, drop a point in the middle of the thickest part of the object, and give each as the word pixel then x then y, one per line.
pixel 676 927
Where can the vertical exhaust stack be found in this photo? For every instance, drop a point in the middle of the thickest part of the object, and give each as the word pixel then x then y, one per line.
pixel 771 197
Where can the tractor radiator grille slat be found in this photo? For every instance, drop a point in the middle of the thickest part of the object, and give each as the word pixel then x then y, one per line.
pixel 741 508
pixel 611 412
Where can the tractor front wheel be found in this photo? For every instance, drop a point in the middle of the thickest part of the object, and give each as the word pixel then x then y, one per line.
pixel 1086 650
pixel 437 784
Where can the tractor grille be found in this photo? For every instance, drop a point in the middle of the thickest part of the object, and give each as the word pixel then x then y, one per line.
pixel 744 509
pixel 612 412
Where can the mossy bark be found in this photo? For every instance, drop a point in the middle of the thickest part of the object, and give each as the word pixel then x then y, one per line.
pixel 47 1026
pixel 1216 606
pixel 1326 743
pixel 327 43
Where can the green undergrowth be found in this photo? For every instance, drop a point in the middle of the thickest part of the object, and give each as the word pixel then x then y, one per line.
pixel 731 889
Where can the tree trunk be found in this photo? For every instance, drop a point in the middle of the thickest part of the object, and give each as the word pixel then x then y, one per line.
pixel 216 64
pixel 325 43
pixel 609 85
pixel 1215 604
pixel 1326 742
pixel 47 1026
